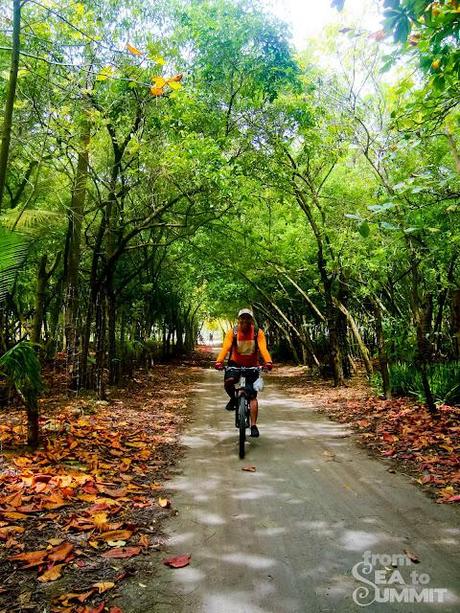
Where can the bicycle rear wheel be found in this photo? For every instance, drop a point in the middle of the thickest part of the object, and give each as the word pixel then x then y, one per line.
pixel 242 424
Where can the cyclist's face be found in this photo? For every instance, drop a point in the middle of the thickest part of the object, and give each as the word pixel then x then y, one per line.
pixel 245 321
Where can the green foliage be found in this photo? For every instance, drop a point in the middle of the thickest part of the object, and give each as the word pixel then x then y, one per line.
pixel 13 252
pixel 444 380
pixel 22 367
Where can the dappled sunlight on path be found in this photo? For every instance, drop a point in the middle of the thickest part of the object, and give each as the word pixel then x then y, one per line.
pixel 286 537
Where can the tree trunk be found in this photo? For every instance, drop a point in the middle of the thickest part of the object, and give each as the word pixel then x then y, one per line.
pixel 422 314
pixel 10 96
pixel 114 370
pixel 100 345
pixel 456 322
pixel 72 260
pixel 358 338
pixel 42 280
pixel 383 360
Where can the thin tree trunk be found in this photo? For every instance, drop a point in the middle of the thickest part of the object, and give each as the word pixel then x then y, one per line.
pixel 100 345
pixel 10 96
pixel 72 263
pixel 456 322
pixel 42 280
pixel 358 338
pixel 383 360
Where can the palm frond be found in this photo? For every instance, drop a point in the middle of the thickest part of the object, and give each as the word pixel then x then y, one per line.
pixel 31 221
pixel 13 252
pixel 22 367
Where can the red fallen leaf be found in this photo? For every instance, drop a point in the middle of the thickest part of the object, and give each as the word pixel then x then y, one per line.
pixel 90 488
pixel 122 552
pixel 60 553
pixel 178 561
pixel 249 469
pixel 33 558
pixel 115 610
pixel 114 493
pixel 14 500
pixel 411 555
pixel 453 499
pixel 29 508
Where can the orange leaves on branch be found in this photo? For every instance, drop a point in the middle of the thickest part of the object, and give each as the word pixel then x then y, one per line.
pixel 133 50
pixel 160 84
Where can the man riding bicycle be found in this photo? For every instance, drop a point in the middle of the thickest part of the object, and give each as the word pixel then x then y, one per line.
pixel 245 343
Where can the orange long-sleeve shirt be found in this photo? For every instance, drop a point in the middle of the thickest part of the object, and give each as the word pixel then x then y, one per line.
pixel 243 351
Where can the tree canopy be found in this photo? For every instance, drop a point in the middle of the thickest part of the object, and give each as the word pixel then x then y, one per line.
pixel 169 162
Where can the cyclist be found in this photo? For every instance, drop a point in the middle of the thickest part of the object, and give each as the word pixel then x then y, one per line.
pixel 244 343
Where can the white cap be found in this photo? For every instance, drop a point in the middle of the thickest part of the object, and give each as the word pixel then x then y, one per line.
pixel 246 312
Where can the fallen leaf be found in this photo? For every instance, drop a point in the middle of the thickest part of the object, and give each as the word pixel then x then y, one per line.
pixel 116 543
pixel 178 561
pixel 60 552
pixel 116 535
pixel 103 586
pixel 33 558
pixel 122 552
pixel 144 541
pixel 164 502
pixel 53 573
pixel 412 556
pixel 249 469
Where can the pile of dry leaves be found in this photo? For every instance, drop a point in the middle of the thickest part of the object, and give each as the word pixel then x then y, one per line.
pixel 78 515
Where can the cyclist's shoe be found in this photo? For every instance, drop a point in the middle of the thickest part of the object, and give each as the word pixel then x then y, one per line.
pixel 230 406
pixel 254 431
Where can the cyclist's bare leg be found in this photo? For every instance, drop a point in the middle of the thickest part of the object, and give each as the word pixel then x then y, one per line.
pixel 254 409
pixel 229 385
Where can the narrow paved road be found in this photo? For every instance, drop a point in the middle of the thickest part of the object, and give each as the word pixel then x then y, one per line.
pixel 286 537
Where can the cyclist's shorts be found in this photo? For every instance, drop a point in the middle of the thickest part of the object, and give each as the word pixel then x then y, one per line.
pixel 234 374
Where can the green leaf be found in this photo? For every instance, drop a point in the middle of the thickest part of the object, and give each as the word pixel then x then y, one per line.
pixel 364 229
pixel 13 251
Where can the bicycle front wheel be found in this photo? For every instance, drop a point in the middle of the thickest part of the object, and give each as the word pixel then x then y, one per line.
pixel 242 424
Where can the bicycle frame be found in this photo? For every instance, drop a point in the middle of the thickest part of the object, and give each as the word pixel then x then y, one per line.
pixel 242 412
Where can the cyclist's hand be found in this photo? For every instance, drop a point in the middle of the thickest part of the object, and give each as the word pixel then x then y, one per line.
pixel 268 366
pixel 219 366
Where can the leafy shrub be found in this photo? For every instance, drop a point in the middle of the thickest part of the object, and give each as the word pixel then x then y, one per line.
pixel 444 381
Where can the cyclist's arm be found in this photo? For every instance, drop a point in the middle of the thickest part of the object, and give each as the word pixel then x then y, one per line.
pixel 262 344
pixel 228 342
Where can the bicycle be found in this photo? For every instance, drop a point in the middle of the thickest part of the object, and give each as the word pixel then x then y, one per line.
pixel 242 411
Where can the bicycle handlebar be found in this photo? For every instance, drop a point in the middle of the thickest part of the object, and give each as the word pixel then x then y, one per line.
pixel 259 368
